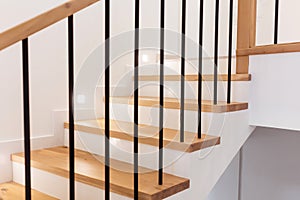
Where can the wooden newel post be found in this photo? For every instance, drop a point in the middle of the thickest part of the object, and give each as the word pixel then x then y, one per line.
pixel 246 32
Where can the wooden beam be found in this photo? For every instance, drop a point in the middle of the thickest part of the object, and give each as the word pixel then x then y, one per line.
pixel 177 57
pixel 246 33
pixel 270 49
pixel 28 28
pixel 252 27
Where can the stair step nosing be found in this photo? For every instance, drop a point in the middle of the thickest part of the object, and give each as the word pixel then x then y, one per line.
pixel 155 192
pixel 173 103
pixel 191 144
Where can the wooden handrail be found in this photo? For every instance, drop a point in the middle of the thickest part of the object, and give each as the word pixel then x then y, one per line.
pixel 246 41
pixel 270 49
pixel 26 29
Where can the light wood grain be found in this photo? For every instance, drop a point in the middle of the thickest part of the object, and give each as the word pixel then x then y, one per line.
pixel 42 21
pixel 252 28
pixel 246 32
pixel 89 170
pixel 205 77
pixel 270 49
pixel 14 191
pixel 178 57
pixel 147 135
pixel 190 104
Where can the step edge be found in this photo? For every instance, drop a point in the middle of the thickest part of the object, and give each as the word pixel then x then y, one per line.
pixel 19 158
pixel 174 145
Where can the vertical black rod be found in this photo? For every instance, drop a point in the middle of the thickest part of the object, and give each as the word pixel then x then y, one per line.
pixel 71 107
pixel 107 96
pixel 182 87
pixel 161 91
pixel 276 21
pixel 200 69
pixel 136 99
pixel 230 51
pixel 216 52
pixel 26 107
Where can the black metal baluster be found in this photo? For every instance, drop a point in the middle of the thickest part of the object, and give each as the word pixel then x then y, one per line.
pixel 71 107
pixel 200 69
pixel 161 84
pixel 182 87
pixel 26 107
pixel 107 96
pixel 136 98
pixel 230 51
pixel 276 21
pixel 216 53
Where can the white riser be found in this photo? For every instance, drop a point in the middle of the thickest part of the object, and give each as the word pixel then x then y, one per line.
pixel 239 90
pixel 122 150
pixel 124 87
pixel 172 89
pixel 211 122
pixel 173 67
pixel 203 167
pixel 57 186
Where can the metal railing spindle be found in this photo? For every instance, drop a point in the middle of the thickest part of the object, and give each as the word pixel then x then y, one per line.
pixel 182 86
pixel 71 107
pixel 216 53
pixel 230 51
pixel 107 96
pixel 200 69
pixel 161 97
pixel 136 98
pixel 26 107
pixel 276 21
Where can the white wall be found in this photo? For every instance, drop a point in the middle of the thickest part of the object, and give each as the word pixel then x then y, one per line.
pixel 48 76
pixel 288 15
pixel 227 187
pixel 271 165
pixel 274 100
pixel 47 72
pixel 269 168
pixel 48 61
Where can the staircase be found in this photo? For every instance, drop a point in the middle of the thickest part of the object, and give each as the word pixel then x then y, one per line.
pixel 191 167
pixel 185 163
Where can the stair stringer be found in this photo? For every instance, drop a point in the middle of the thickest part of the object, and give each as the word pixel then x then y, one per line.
pixel 204 168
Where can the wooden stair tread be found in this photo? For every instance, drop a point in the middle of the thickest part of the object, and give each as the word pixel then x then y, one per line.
pixel 148 135
pixel 89 169
pixel 194 77
pixel 14 191
pixel 190 104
